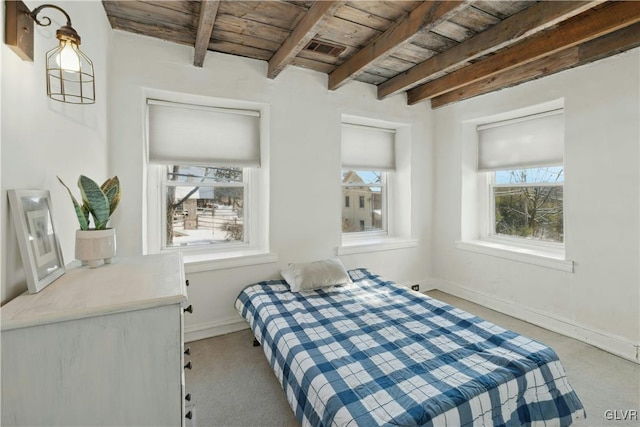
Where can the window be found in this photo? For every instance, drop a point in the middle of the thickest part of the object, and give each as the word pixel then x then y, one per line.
pixel 205 162
pixel 204 205
pixel 523 160
pixel 368 158
pixel 528 203
pixel 376 164
pixel 512 186
pixel 346 201
pixel 369 187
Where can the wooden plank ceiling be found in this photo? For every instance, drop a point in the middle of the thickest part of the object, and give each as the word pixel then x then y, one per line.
pixel 443 51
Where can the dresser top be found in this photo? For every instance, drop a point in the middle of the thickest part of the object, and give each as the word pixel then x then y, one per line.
pixel 129 283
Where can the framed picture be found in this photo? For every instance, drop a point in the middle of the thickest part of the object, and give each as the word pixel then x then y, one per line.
pixel 37 240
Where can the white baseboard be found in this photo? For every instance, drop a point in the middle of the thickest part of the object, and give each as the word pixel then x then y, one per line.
pixel 613 344
pixel 213 329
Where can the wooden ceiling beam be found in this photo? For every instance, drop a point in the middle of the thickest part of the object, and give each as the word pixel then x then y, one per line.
pixel 173 35
pixel 577 30
pixel 512 30
pixel 301 35
pixel 426 16
pixel 208 12
pixel 602 47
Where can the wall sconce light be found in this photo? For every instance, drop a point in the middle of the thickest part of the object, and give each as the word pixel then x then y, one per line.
pixel 69 71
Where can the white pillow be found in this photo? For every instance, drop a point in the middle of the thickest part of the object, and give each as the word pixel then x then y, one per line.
pixel 315 275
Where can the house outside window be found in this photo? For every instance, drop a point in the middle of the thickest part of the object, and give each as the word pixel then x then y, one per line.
pixel 370 189
pixel 523 161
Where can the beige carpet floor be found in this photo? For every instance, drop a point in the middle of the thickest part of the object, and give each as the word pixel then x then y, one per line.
pixel 232 384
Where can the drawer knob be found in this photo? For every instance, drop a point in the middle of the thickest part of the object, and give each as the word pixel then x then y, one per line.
pixel 187 282
pixel 189 309
pixel 188 351
pixel 188 397
pixel 188 365
pixel 189 415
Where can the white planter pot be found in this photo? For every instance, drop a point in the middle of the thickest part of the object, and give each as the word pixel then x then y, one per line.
pixel 95 246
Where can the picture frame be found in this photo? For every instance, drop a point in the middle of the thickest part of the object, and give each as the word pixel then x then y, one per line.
pixel 37 239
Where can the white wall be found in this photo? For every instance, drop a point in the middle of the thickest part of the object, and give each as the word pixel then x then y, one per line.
pixel 600 301
pixel 304 161
pixel 42 138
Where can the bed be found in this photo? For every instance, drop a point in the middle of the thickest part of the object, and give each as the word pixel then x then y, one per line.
pixel 372 353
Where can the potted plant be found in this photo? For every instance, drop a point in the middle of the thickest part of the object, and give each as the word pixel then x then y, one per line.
pixel 97 243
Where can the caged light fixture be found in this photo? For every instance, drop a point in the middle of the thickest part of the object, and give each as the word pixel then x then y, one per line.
pixel 70 77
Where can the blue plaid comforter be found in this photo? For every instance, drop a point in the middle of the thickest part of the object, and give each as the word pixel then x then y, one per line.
pixel 374 353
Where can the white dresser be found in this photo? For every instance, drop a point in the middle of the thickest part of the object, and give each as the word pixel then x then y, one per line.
pixel 98 347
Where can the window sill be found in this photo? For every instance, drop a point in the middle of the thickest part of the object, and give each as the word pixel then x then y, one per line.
pixel 356 246
pixel 196 263
pixel 548 258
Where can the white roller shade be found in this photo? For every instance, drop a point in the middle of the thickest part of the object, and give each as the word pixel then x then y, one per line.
pixel 531 141
pixel 198 135
pixel 368 148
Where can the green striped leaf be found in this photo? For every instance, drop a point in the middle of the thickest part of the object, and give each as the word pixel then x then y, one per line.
pixel 82 212
pixel 111 189
pixel 96 201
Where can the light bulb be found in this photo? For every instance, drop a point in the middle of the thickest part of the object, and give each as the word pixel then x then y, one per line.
pixel 68 59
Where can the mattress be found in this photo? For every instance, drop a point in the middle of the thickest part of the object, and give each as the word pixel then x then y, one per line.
pixel 374 353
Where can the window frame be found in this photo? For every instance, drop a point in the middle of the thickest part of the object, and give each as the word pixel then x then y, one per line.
pixel 384 191
pixel 490 233
pixel 222 247
pixel 157 211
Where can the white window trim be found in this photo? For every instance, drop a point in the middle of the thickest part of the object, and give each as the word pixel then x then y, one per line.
pixel 199 259
pixel 207 258
pixel 373 244
pixel 528 255
pixel 486 242
pixel 199 262
pixel 384 188
pixel 249 220
pixel 477 210
pixel 488 231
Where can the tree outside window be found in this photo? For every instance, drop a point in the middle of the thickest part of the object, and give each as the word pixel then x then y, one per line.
pixel 528 203
pixel 204 205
